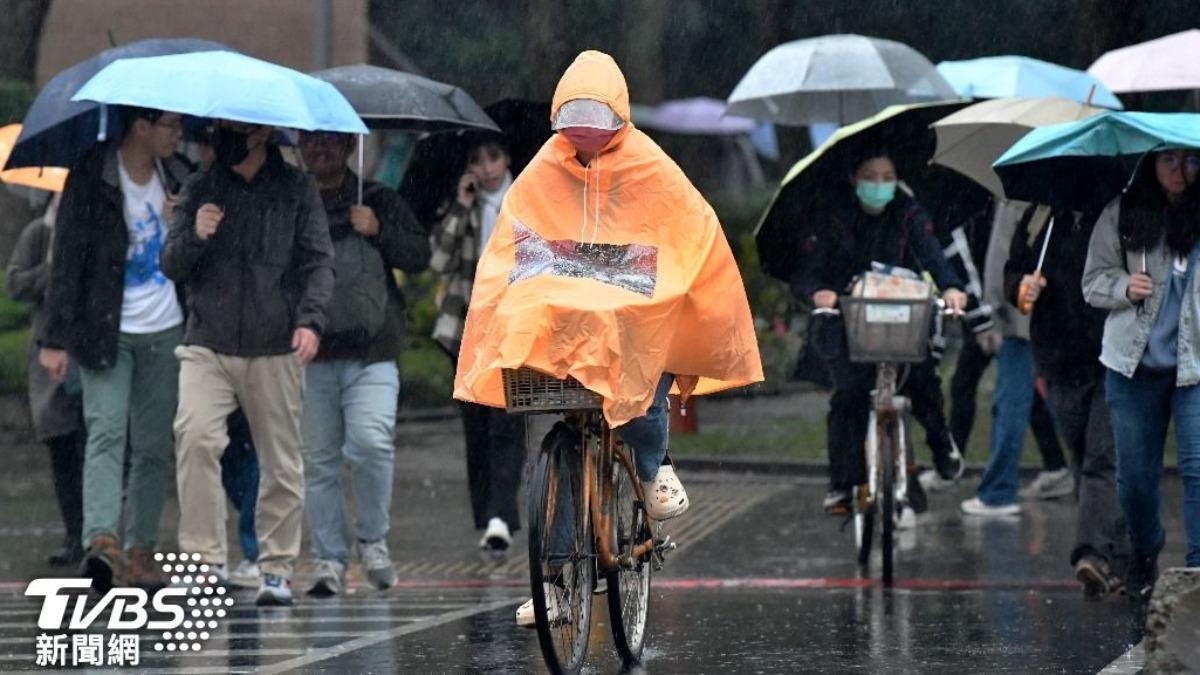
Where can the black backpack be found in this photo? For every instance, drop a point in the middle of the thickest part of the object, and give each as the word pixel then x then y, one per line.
pixel 358 308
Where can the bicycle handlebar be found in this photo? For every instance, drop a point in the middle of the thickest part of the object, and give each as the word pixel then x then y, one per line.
pixel 833 311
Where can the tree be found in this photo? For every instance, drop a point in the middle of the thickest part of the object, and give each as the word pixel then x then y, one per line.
pixel 1105 25
pixel 21 25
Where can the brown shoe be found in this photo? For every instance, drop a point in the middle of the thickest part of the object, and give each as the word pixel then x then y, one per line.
pixel 102 564
pixel 141 570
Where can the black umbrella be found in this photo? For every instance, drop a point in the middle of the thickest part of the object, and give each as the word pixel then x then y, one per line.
pixel 58 131
pixel 440 160
pixel 793 222
pixel 391 99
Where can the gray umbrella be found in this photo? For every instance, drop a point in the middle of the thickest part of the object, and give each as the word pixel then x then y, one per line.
pixel 391 99
pixel 835 78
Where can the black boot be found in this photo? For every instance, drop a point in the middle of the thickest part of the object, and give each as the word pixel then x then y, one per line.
pixel 1142 573
pixel 69 555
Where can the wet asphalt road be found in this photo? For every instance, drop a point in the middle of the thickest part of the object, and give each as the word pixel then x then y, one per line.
pixel 762 583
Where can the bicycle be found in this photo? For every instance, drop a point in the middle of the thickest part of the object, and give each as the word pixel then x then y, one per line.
pixel 887 332
pixel 610 531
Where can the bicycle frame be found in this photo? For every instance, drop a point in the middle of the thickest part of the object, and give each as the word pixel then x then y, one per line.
pixel 887 407
pixel 600 448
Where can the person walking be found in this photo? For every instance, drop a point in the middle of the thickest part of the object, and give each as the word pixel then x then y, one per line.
pixel 56 407
pixel 118 318
pixel 353 383
pixel 250 242
pixel 1069 362
pixel 1140 268
pixel 495 440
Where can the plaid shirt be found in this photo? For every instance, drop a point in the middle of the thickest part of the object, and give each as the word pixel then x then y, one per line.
pixel 455 244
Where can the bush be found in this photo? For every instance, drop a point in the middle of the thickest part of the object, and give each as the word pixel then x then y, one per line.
pixel 15 99
pixel 426 376
pixel 14 364
pixel 13 315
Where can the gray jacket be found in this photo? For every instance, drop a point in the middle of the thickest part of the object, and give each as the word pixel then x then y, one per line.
pixel 1008 320
pixel 1127 329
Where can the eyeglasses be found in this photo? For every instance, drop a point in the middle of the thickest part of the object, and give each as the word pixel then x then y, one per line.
pixel 1172 161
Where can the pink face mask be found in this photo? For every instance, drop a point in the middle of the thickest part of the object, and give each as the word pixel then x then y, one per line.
pixel 587 139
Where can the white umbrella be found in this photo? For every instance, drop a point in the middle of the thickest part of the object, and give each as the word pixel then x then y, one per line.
pixel 1163 64
pixel 835 78
pixel 970 140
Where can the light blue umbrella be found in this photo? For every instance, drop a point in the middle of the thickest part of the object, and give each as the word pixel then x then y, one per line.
pixel 224 85
pixel 1083 165
pixel 1004 76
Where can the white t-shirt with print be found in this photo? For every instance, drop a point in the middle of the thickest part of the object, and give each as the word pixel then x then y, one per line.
pixel 150 305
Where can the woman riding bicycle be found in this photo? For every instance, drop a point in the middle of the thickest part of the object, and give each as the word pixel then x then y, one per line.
pixel 607 266
pixel 876 224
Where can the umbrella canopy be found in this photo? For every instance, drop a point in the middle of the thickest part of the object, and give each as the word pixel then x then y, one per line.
pixel 1163 64
pixel 391 99
pixel 440 160
pixel 835 78
pixel 972 138
pixel 58 130
pixel 1084 165
pixel 224 85
pixel 697 116
pixel 51 178
pixel 1004 76
pixel 793 221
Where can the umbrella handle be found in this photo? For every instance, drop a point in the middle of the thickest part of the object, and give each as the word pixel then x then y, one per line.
pixel 360 169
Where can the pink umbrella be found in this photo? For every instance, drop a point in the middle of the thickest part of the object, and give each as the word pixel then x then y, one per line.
pixel 705 116
pixel 1162 64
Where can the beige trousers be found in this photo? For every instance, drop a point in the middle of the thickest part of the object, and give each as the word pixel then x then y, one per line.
pixel 270 390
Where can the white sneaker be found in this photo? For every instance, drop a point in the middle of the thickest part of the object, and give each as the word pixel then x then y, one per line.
pixel 525 615
pixel 1049 485
pixel 246 575
pixel 497 537
pixel 907 519
pixel 330 578
pixel 931 481
pixel 975 507
pixel 665 495
pixel 377 563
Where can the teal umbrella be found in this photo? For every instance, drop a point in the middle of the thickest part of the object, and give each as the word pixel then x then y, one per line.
pixel 1083 165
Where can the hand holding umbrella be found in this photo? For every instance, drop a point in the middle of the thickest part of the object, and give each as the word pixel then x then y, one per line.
pixel 1032 284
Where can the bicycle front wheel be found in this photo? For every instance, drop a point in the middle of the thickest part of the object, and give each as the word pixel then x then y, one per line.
pixel 628 587
pixel 887 498
pixel 561 566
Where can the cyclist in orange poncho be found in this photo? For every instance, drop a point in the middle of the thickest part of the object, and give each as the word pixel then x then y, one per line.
pixel 606 265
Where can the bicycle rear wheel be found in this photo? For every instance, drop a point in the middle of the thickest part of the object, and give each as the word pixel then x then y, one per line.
pixel 628 588
pixel 864 527
pixel 561 565
pixel 887 501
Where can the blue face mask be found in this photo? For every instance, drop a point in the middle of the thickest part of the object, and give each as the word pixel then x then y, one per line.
pixel 874 195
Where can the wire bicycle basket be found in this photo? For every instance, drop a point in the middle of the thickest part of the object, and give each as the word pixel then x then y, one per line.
pixel 891 330
pixel 527 390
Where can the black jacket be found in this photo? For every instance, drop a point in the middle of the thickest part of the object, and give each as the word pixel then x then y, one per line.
pixel 1064 330
pixel 266 271
pixel 404 245
pixel 91 243
pixel 902 235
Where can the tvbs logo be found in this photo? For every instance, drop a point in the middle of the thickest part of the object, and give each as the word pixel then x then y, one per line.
pixel 182 614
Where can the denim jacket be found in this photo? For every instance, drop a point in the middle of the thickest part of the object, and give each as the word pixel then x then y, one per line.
pixel 1127 329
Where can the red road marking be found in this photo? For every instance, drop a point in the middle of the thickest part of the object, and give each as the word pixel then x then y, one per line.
pixel 782 583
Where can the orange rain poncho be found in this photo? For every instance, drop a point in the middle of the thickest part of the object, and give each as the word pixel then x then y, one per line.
pixel 658 292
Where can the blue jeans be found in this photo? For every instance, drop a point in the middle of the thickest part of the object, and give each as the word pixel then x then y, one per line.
pixel 648 434
pixel 349 414
pixel 1141 408
pixel 239 476
pixel 1011 405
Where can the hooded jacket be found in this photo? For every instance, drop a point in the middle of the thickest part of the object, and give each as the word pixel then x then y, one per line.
pixel 612 273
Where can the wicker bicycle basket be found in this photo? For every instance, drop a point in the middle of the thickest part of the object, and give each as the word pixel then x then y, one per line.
pixel 527 390
pixel 887 330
